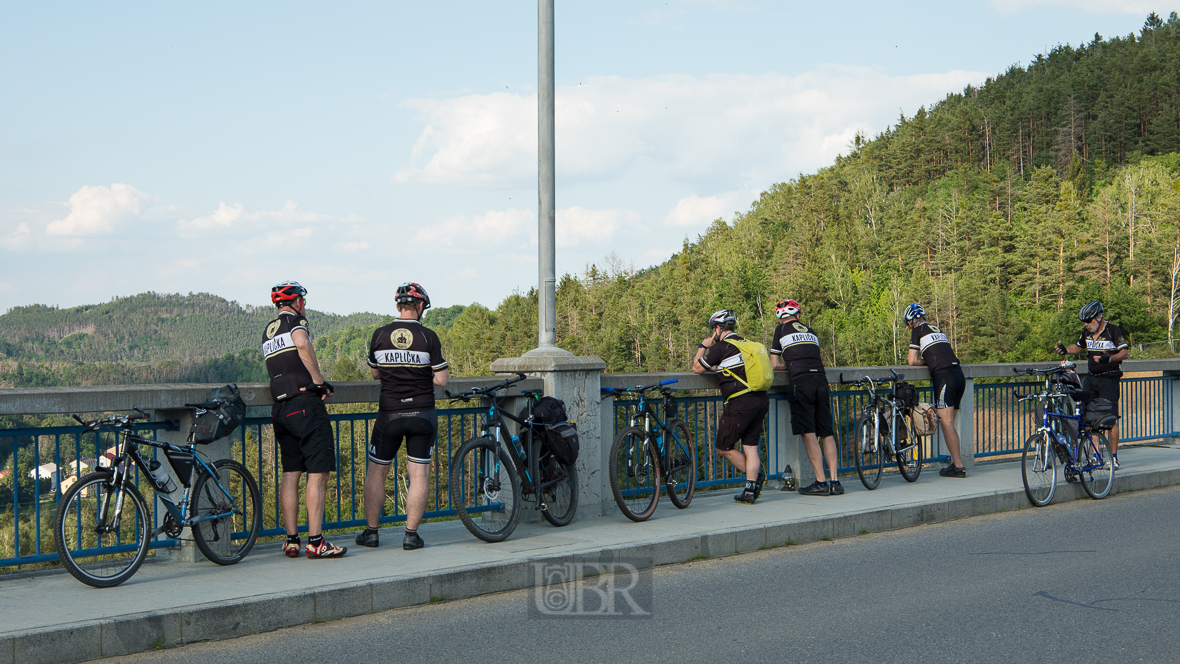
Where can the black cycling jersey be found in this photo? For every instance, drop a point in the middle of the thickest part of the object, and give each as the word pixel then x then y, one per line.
pixel 1110 340
pixel 935 348
pixel 724 355
pixel 283 364
pixel 406 354
pixel 799 347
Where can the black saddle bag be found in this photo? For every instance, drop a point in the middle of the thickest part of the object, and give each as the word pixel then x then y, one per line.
pixel 1100 415
pixel 219 416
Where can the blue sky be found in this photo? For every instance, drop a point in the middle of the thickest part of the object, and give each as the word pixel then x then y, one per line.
pixel 224 147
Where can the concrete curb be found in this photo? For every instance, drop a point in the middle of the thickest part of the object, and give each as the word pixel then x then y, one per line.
pixel 81 641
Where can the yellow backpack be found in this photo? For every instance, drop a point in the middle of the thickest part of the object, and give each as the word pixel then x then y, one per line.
pixel 759 374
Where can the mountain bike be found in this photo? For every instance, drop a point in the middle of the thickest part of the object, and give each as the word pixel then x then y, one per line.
pixel 102 528
pixel 490 474
pixel 884 429
pixel 640 457
pixel 1067 435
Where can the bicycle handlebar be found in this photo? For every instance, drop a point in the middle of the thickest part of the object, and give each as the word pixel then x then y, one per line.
pixel 661 386
pixel 121 420
pixel 481 391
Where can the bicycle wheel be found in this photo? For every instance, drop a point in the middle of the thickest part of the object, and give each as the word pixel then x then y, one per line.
pixel 868 456
pixel 680 453
pixel 910 450
pixel 1094 466
pixel 101 531
pixel 634 474
pixel 1037 469
pixel 560 497
pixel 226 512
pixel 485 489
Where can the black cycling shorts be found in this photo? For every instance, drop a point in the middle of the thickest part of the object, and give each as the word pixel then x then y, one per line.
pixel 304 435
pixel 811 408
pixel 1103 387
pixel 949 385
pixel 742 420
pixel 416 429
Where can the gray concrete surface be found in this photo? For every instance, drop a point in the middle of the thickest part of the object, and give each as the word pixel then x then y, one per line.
pixel 53 618
pixel 1079 582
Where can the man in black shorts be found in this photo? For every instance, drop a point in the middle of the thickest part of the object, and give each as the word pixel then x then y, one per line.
pixel 1106 347
pixel 302 429
pixel 931 348
pixel 741 420
pixel 408 360
pixel 796 350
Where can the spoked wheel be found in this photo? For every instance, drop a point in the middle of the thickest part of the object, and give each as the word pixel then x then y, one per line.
pixel 101 531
pixel 1037 469
pixel 634 474
pixel 868 455
pixel 559 492
pixel 485 489
pixel 909 448
pixel 227 516
pixel 681 454
pixel 1094 465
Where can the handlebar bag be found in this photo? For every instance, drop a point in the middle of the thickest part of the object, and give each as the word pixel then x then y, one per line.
pixel 228 411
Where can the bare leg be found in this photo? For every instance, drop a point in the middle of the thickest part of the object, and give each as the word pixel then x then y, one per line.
pixel 753 462
pixel 375 476
pixel 811 444
pixel 736 458
pixel 946 421
pixel 1114 440
pixel 833 460
pixel 317 492
pixel 416 496
pixel 289 498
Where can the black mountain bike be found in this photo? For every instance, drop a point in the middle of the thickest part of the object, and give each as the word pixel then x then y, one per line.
pixel 102 528
pixel 884 428
pixel 490 474
pixel 643 458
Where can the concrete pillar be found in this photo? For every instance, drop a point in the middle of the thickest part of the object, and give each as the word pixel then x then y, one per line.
pixel 965 425
pixel 577 381
pixel 785 447
pixel 221 449
pixel 606 429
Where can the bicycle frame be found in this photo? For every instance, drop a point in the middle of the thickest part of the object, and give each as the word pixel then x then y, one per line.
pixel 885 407
pixel 526 457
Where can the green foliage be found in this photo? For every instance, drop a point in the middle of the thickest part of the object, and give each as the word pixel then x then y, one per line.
pixel 442 319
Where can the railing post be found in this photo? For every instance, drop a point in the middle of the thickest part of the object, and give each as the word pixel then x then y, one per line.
pixel 577 381
pixel 965 425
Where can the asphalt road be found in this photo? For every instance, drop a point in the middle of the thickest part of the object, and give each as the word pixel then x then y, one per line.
pixel 1086 581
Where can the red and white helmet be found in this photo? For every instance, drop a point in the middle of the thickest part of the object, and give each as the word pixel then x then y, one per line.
pixel 408 292
pixel 288 291
pixel 786 309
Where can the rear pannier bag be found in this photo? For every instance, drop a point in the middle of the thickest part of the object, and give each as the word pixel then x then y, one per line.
pixel 1100 415
pixel 220 420
pixel 560 435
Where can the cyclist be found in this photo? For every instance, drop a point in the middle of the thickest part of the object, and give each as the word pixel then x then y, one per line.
pixel 301 426
pixel 741 419
pixel 407 358
pixel 1106 347
pixel 796 350
pixel 930 347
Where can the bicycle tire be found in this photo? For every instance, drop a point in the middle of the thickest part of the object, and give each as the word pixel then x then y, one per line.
pixel 478 474
pixel 680 453
pixel 911 455
pixel 1038 470
pixel 561 499
pixel 75 530
pixel 215 536
pixel 635 482
pixel 868 456
pixel 1095 468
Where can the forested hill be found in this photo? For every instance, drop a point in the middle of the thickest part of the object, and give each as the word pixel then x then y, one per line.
pixel 149 328
pixel 1001 208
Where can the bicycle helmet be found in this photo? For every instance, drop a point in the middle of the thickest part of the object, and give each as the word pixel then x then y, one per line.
pixel 914 311
pixel 410 291
pixel 288 291
pixel 723 317
pixel 1090 311
pixel 786 309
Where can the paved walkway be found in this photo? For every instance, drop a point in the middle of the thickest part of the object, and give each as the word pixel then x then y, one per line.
pixel 53 618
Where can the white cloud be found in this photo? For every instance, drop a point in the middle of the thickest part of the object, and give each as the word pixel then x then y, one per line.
pixel 494 227
pixel 579 227
pixel 1138 7
pixel 227 216
pixel 7 287
pixel 17 239
pixel 362 245
pixel 700 211
pixel 97 210
pixel 702 128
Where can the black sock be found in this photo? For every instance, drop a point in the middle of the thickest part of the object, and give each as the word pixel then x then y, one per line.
pixel 370 531
pixel 293 538
pixel 315 541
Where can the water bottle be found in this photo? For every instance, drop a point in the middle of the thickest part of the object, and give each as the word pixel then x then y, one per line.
pixel 161 478
pixel 789 481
